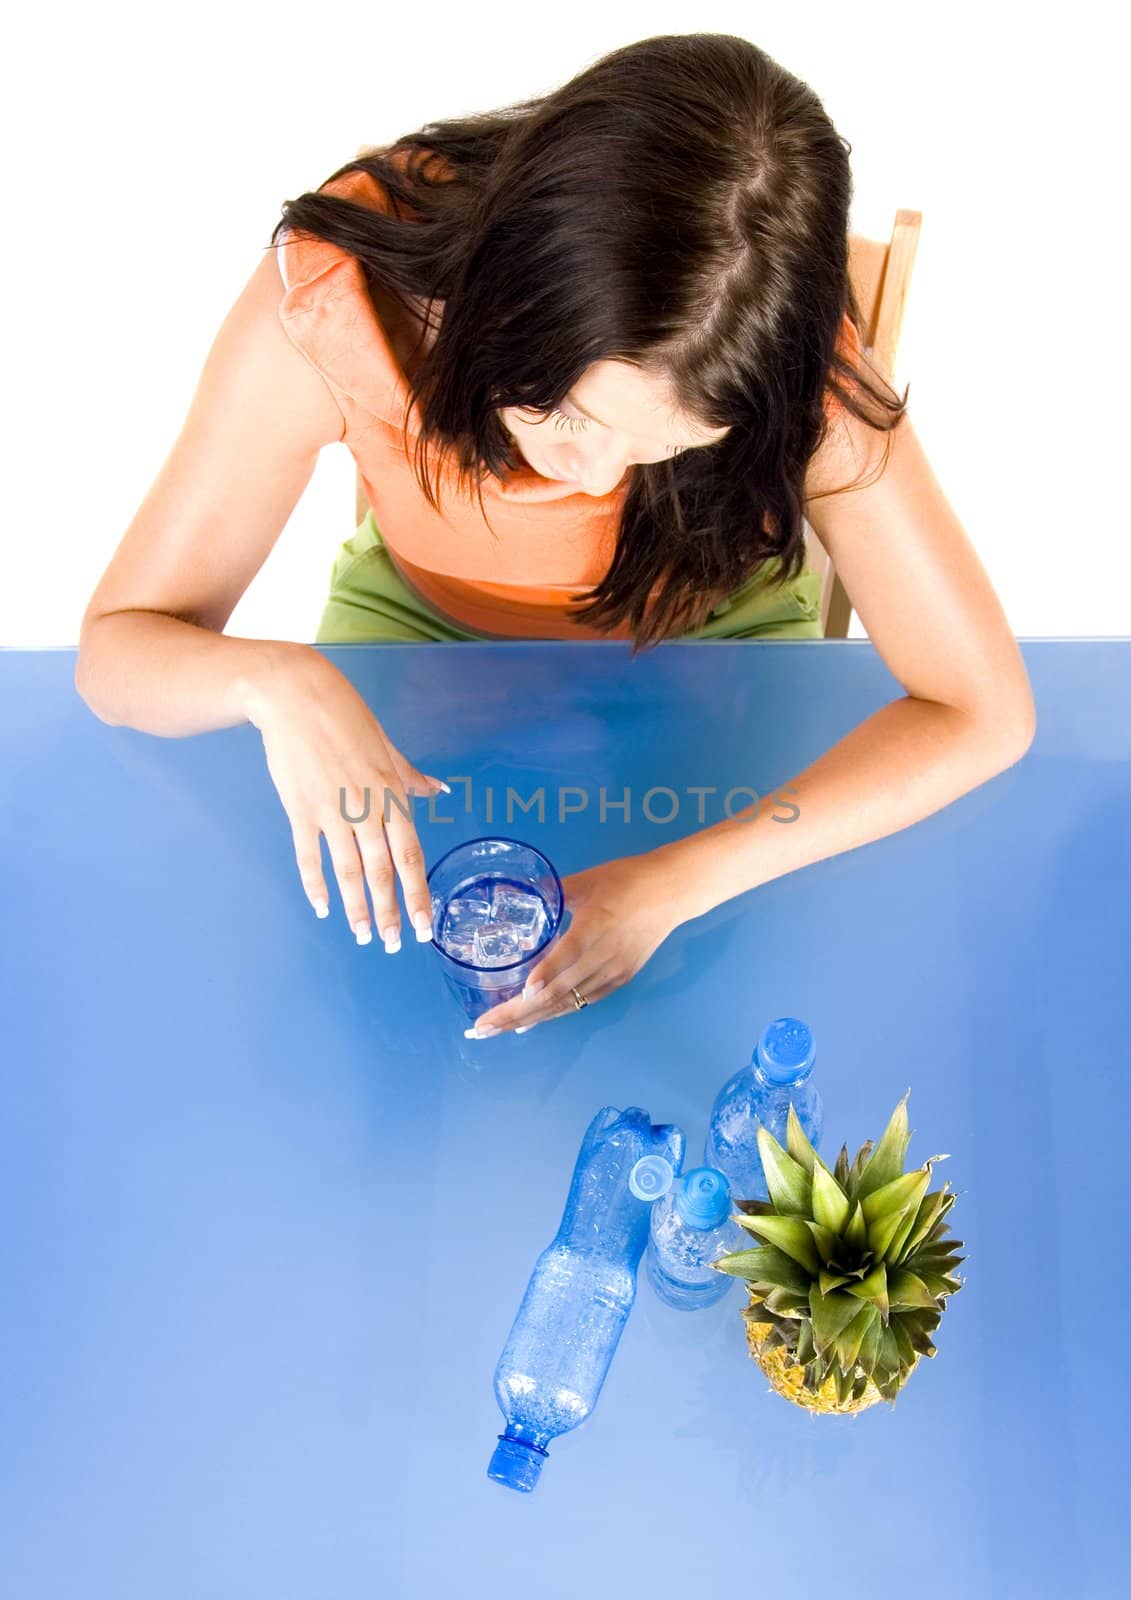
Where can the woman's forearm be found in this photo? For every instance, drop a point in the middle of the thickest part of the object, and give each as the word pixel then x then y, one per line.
pixel 904 762
pixel 155 673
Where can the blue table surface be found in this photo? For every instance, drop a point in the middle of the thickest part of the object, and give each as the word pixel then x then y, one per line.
pixel 267 1216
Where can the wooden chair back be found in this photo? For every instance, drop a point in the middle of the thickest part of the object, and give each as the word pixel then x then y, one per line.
pixel 881 277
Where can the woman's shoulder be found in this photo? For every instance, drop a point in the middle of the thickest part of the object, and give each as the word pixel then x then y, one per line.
pixel 361 337
pixel 305 258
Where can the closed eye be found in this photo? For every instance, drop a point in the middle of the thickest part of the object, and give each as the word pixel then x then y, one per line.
pixel 578 424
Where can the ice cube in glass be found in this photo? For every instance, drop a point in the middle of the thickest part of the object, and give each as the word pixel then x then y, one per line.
pixel 524 913
pixel 464 916
pixel 495 946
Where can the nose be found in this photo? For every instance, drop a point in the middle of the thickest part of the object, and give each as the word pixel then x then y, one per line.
pixel 600 476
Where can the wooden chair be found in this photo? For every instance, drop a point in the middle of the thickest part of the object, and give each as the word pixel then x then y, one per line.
pixel 881 277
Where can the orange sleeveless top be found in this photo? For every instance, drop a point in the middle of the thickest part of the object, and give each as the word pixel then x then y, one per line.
pixel 547 540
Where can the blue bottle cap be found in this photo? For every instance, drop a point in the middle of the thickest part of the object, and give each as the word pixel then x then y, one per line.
pixel 785 1051
pixel 651 1177
pixel 515 1464
pixel 704 1200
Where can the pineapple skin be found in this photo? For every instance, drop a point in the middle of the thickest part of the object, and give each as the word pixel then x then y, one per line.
pixel 787 1378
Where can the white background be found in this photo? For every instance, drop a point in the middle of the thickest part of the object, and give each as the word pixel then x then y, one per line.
pixel 146 154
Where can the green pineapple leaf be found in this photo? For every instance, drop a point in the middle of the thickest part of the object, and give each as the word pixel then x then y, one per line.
pixel 902 1193
pixel 907 1351
pixel 787 1303
pixel 780 1270
pixel 906 1292
pixel 739 1264
pixel 751 1223
pixel 797 1143
pixel 918 1331
pixel 830 1203
pixel 831 1280
pixel 896 1249
pixel 889 1386
pixel 843 1381
pixel 859 1162
pixel 790 1234
pixel 883 1231
pixel 886 1162
pixel 766 1265
pixel 851 1337
pixel 824 1239
pixel 830 1314
pixel 935 1260
pixel 939 1284
pixel 840 1171
pixel 870 1345
pixel 856 1230
pixel 874 1288
pixel 822 1365
pixel 888 1362
pixel 786 1179
pixel 931 1208
pixel 924 1321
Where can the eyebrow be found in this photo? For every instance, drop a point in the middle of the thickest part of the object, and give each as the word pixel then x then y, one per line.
pixel 589 415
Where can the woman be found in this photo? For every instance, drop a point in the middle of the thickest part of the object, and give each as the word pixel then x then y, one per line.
pixel 596 356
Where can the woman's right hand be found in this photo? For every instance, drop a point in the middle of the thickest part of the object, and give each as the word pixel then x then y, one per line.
pixel 331 760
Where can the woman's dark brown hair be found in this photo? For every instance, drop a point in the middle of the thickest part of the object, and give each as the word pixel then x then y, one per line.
pixel 682 204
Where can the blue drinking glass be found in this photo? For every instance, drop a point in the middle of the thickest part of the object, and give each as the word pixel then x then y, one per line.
pixel 469 887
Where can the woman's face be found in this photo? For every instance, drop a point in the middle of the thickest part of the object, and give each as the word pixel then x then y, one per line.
pixel 614 417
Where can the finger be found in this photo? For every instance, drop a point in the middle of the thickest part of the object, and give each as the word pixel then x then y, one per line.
pixel 349 870
pixel 513 1018
pixel 308 855
pixel 557 998
pixel 412 778
pixel 408 858
pixel 586 975
pixel 593 989
pixel 382 881
pixel 563 955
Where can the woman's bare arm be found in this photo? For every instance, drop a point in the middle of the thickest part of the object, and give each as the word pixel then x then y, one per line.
pixel 933 616
pixel 152 654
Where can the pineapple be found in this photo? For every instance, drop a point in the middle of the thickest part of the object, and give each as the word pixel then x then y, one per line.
pixel 852 1271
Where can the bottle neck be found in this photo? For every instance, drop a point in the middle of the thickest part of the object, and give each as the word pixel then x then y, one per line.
pixel 691 1219
pixel 791 1081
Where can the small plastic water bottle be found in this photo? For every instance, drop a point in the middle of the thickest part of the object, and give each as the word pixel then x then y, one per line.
pixel 779 1075
pixel 579 1296
pixel 690 1228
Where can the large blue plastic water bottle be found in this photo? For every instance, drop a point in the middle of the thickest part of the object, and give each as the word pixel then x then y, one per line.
pixel 579 1295
pixel 690 1228
pixel 779 1074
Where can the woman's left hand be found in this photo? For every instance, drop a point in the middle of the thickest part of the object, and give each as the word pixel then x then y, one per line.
pixel 621 912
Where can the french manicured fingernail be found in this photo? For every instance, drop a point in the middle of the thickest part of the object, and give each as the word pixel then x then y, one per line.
pixel 322 908
pixel 526 1027
pixel 422 922
pixel 529 988
pixel 447 788
pixel 392 938
pixel 363 931
pixel 480 1033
